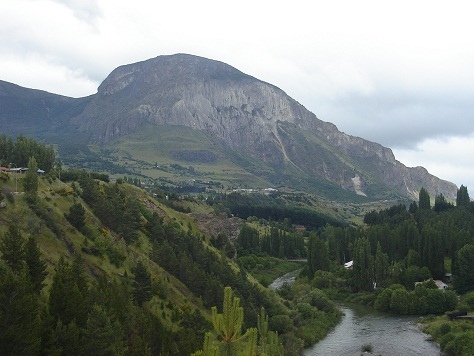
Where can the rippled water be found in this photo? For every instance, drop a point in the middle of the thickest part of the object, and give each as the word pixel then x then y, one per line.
pixel 388 335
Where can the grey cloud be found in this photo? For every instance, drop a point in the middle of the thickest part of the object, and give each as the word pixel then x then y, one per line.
pixel 85 10
pixel 401 120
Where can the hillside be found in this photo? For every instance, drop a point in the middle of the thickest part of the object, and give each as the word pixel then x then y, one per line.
pixel 108 240
pixel 150 117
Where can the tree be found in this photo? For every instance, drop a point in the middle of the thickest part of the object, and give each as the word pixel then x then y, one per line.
pixel 12 248
pixel 318 255
pixel 141 284
pixel 69 293
pixel 464 281
pixel 36 266
pixel 424 199
pixel 30 182
pixel 381 265
pixel 363 267
pixel 227 338
pixel 441 204
pixel 462 196
pixel 76 216
pixel 19 311
pixel 102 335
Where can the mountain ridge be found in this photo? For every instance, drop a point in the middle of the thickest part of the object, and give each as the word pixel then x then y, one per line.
pixel 241 113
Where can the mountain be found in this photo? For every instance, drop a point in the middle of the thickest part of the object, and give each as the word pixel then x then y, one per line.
pixel 225 125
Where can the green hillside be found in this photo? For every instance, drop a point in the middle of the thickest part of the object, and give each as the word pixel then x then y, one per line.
pixel 122 265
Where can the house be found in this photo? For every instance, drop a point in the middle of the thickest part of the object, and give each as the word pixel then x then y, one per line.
pixel 300 228
pixel 440 284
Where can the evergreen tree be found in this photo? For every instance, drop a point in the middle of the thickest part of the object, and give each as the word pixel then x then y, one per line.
pixel 102 335
pixel 12 248
pixel 227 338
pixel 76 216
pixel 19 314
pixel 462 196
pixel 69 294
pixel 424 199
pixel 36 266
pixel 141 284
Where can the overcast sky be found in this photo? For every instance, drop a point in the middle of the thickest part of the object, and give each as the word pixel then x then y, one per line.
pixel 400 73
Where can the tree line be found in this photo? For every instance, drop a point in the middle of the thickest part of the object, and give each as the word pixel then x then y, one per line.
pixel 402 245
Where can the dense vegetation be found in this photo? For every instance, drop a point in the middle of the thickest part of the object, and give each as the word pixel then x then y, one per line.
pixel 94 267
pixel 394 251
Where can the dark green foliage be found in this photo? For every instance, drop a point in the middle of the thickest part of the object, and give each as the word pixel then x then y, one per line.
pixel 423 300
pixel 318 258
pixel 68 299
pixel 102 335
pixel 22 149
pixel 30 181
pixel 462 197
pixel 12 248
pixel 363 267
pixel 380 266
pixel 464 280
pixel 274 209
pixel 141 284
pixel 36 266
pixel 424 199
pixel 76 216
pixel 441 204
pixel 113 207
pixel 19 314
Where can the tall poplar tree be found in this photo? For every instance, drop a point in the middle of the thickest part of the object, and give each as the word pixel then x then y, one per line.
pixel 462 196
pixel 424 199
pixel 30 182
pixel 363 267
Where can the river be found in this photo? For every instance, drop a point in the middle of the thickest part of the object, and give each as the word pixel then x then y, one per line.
pixel 386 333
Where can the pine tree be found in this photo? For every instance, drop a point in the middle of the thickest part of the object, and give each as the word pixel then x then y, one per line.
pixel 76 216
pixel 69 294
pixel 141 284
pixel 12 248
pixel 36 266
pixel 227 338
pixel 19 315
pixel 102 335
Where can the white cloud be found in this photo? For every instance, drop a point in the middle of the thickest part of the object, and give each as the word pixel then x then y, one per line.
pixel 448 158
pixel 395 73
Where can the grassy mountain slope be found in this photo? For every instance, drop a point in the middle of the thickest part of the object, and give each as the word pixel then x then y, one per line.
pixel 187 272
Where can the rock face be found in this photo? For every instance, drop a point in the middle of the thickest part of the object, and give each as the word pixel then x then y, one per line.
pixel 245 115
pixel 238 113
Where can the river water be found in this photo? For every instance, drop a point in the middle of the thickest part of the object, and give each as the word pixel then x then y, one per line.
pixel 387 334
